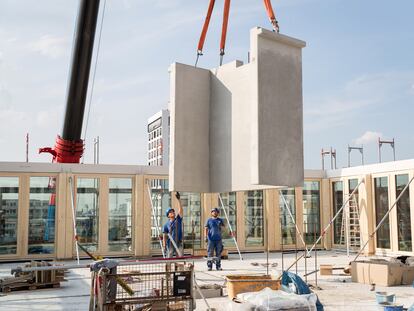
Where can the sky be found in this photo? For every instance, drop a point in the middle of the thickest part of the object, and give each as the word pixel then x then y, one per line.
pixel 358 71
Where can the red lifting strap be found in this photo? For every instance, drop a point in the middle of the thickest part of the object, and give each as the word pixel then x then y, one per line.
pixel 205 28
pixel 224 27
pixel 271 14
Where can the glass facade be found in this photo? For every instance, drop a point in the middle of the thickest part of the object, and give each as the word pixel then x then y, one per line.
pixel 381 208
pixel 120 214
pixel 337 202
pixel 161 201
pixel 253 212
pixel 311 211
pixel 42 209
pixel 87 212
pixel 9 204
pixel 229 203
pixel 287 225
pixel 403 214
pixel 352 185
pixel 191 203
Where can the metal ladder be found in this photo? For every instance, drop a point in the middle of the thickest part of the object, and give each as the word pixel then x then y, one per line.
pixel 350 229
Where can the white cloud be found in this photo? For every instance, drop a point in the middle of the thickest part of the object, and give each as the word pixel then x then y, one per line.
pixel 357 97
pixel 367 138
pixel 51 46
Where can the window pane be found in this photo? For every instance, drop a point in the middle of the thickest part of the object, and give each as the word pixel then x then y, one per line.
pixel 381 208
pixel 229 202
pixel 403 214
pixel 338 201
pixel 352 184
pixel 288 227
pixel 9 203
pixel 191 203
pixel 87 212
pixel 311 211
pixel 42 215
pixel 120 214
pixel 161 201
pixel 253 212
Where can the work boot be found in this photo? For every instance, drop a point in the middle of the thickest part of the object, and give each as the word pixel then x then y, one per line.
pixel 219 269
pixel 210 268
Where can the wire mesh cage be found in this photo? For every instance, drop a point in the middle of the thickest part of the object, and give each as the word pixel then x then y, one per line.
pixel 158 285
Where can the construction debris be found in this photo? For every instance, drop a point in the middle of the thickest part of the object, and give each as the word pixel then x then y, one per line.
pixel 268 299
pixel 237 284
pixel 33 279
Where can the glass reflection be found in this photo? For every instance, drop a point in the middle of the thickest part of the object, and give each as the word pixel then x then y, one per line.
pixel 120 214
pixel 253 212
pixel 87 212
pixel 42 215
pixel 191 203
pixel 9 203
pixel 381 208
pixel 338 201
pixel 403 214
pixel 161 201
pixel 288 227
pixel 229 202
pixel 311 211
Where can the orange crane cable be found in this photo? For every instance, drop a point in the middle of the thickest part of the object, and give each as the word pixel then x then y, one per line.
pixel 224 26
pixel 205 28
pixel 271 15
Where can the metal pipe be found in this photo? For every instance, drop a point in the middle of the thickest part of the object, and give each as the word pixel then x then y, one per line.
pixel 59 266
pixel 79 69
pixel 72 204
pixel 231 229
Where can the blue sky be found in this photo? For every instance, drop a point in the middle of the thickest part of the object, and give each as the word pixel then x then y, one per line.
pixel 358 71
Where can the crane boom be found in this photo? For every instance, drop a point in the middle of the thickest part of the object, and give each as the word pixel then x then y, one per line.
pixel 69 145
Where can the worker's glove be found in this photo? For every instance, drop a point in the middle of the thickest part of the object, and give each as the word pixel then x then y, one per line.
pixel 177 195
pixel 206 240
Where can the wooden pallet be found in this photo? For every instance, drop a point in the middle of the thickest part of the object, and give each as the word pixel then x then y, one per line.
pixel 32 280
pixel 28 286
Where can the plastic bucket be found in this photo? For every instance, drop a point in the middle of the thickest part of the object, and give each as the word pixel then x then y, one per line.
pixel 384 297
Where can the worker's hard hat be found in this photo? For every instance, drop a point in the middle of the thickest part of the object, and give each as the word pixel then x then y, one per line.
pixel 215 210
pixel 169 210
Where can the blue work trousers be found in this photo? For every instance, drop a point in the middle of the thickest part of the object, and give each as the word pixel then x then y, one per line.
pixel 217 247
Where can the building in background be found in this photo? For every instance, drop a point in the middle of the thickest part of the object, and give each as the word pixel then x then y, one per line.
pixel 159 138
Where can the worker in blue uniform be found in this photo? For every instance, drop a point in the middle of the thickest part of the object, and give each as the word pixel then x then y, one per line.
pixel 173 229
pixel 213 234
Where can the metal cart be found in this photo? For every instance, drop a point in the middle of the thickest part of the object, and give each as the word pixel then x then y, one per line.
pixel 156 285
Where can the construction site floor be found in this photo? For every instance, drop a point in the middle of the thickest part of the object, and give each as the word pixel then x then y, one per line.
pixel 336 292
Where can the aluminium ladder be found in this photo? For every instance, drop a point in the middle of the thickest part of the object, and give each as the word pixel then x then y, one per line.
pixel 350 229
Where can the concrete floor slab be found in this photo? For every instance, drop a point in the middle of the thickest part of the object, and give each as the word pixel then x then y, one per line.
pixel 239 126
pixel 337 292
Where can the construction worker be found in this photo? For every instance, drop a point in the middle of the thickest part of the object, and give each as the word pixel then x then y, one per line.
pixel 213 235
pixel 173 230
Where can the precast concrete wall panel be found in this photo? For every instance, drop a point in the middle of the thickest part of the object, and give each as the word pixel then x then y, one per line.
pixel 239 127
pixel 279 108
pixel 189 128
